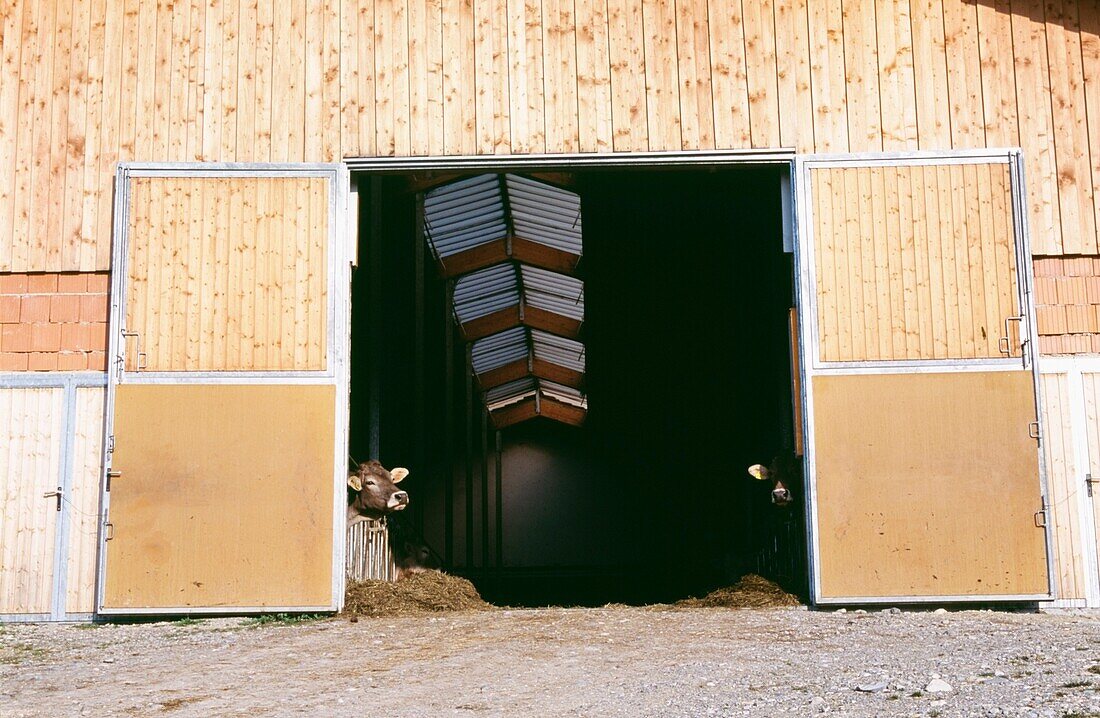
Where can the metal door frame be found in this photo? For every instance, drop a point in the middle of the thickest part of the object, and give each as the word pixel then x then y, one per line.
pixel 812 365
pixel 336 371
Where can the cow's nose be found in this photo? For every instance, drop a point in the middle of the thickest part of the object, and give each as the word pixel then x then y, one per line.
pixel 780 496
pixel 401 497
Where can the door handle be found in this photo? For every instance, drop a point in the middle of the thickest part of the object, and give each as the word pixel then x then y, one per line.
pixel 57 495
pixel 1041 522
pixel 111 474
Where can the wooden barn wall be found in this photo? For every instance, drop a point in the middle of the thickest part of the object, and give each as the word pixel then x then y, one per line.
pixel 85 84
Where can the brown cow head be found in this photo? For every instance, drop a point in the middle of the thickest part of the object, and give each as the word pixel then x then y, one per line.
pixel 373 492
pixel 783 472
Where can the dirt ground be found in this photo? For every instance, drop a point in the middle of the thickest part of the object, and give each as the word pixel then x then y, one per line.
pixel 610 661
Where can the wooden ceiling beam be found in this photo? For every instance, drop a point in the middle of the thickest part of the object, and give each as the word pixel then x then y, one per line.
pixel 551 408
pixel 514 413
pixel 498 321
pixel 502 375
pixel 550 322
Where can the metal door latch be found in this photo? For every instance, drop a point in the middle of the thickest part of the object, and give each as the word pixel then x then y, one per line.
pixel 1089 481
pixel 111 474
pixel 1033 429
pixel 54 494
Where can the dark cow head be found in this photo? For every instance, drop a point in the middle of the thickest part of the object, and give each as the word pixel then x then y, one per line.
pixel 414 556
pixel 783 473
pixel 373 492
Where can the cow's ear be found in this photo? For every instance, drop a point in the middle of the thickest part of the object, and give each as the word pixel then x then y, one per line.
pixel 398 473
pixel 758 471
pixel 355 482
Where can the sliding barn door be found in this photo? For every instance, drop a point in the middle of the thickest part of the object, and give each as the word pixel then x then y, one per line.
pixel 923 438
pixel 228 390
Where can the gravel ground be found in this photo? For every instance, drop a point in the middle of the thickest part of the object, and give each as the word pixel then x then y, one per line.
pixel 610 661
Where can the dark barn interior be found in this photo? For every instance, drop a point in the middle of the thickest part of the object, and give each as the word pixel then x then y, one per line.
pixel 687 375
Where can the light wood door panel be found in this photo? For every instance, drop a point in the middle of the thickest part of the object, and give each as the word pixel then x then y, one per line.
pixel 227 273
pixel 913 261
pixel 30 456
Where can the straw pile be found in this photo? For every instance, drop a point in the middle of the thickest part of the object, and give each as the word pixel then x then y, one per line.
pixel 417 594
pixel 751 591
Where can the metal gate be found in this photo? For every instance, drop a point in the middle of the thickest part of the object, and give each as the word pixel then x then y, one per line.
pixel 228 385
pixel 918 352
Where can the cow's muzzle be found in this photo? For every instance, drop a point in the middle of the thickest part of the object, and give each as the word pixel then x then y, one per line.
pixel 781 497
pixel 398 501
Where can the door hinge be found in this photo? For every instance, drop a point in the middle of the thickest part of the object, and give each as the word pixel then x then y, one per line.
pixel 1089 481
pixel 1041 518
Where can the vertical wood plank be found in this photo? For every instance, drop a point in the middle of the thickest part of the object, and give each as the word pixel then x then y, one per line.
pixel 888 317
pixel 901 179
pixel 998 82
pixel 1090 59
pixel 990 271
pixel 459 120
pixel 295 89
pixel 964 81
pixel 866 284
pixel 896 76
pixel 75 139
pixel 978 329
pixel 861 76
pixel 930 72
pixel 662 91
pixel 314 82
pixel 560 79
pixel 330 121
pixel 949 233
pixel 317 295
pixel 824 264
pixel 729 80
pixel 762 73
pixel 245 142
pixel 84 258
pixel 827 80
pixel 1071 157
pixel 20 224
pixel 629 114
pixel 793 68
pixel 212 110
pixel 298 353
pixel 594 76
pixel 84 494
pixel 196 77
pixel 1036 124
pixel 11 44
pixel 849 306
pixel 50 182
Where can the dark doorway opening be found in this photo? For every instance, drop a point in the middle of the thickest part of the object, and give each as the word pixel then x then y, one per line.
pixel 688 382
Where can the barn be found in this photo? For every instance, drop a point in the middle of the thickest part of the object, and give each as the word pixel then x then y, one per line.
pixel 576 265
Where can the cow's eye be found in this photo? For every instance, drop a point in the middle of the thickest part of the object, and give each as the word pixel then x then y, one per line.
pixel 370 482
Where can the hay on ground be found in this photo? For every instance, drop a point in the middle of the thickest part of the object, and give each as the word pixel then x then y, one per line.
pixel 417 594
pixel 751 591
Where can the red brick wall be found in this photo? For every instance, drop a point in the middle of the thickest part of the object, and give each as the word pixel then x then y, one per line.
pixel 1067 304
pixel 53 322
